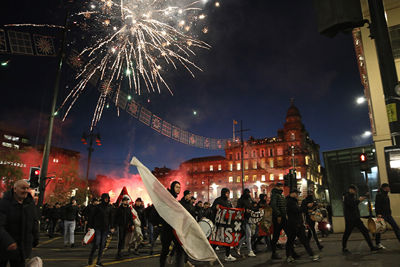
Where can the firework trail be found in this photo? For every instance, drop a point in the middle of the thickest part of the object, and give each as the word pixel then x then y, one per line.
pixel 137 40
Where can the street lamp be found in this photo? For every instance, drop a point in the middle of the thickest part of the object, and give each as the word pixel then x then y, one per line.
pixel 360 100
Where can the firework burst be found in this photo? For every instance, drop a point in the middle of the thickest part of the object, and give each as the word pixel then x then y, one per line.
pixel 137 40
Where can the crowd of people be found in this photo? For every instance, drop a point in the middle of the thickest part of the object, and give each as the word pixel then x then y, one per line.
pixel 19 223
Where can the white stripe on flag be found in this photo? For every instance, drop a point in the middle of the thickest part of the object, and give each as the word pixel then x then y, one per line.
pixel 193 240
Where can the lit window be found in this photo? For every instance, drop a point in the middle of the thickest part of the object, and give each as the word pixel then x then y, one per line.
pixel 8 137
pixel 308 175
pixel 307 159
pixel 254 178
pixel 14 138
pixel 292 136
pixel 202 182
pixel 246 178
pixel 246 165
pixel 231 194
pixel 279 151
pixel 238 166
pixel 263 178
pixel 230 179
pixel 219 167
pixel 281 176
pixel 271 177
pixel 319 168
pixel 187 183
pixel 271 163
pixel 16 146
pixel 231 166
pixel 298 175
pixel 238 179
pixel 254 164
pixel 195 194
pixel 262 164
pixel 211 168
pixel 238 194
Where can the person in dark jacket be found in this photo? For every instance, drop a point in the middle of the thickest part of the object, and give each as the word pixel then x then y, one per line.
pixel 55 216
pixel 352 218
pixel 86 212
pixel 139 207
pixel 245 202
pixel 70 215
pixel 279 219
pixel 167 234
pixel 19 225
pixel 262 204
pixel 308 205
pixel 382 210
pixel 154 225
pixel 207 210
pixel 186 202
pixel 124 222
pixel 223 201
pixel 295 227
pixel 199 210
pixel 101 220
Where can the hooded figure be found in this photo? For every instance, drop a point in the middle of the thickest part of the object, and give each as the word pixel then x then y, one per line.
pixel 167 235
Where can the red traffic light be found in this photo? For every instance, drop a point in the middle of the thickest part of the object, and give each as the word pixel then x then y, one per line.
pixel 363 157
pixel 37 172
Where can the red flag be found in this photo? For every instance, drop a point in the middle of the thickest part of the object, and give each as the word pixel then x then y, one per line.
pixel 124 193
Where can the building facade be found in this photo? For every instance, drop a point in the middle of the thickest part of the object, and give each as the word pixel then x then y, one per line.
pixel 265 162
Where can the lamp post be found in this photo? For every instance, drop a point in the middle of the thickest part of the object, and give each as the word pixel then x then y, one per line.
pixel 89 137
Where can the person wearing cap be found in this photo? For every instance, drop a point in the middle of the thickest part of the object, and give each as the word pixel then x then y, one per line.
pixel 279 219
pixel 382 210
pixel 223 201
pixel 308 205
pixel 139 207
pixel 102 221
pixel 124 222
pixel 295 227
pixel 352 218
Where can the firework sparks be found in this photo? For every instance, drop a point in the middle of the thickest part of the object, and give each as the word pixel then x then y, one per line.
pixel 138 41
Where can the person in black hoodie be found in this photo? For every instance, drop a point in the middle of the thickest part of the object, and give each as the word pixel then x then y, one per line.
pixel 279 218
pixel 70 215
pixel 308 205
pixel 223 201
pixel 167 235
pixel 101 220
pixel 54 217
pixel 352 218
pixel 19 225
pixel 124 222
pixel 245 202
pixel 295 227
pixel 382 210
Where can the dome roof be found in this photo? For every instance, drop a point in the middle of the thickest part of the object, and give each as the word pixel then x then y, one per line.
pixel 293 111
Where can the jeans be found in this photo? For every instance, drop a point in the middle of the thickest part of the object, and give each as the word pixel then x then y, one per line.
pixel 247 237
pixel 299 232
pixel 389 219
pixel 100 238
pixel 69 229
pixel 350 224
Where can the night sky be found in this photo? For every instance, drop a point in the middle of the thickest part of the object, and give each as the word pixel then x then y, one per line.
pixel 263 54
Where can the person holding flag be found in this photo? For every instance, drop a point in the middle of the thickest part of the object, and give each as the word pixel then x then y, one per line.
pixel 179 223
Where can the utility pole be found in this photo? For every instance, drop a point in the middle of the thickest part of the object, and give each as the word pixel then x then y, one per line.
pixel 47 145
pixel 241 150
pixel 387 67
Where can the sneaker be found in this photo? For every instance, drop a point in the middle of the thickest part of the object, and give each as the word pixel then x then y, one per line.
pixel 275 256
pixel 315 257
pixel 373 249
pixel 189 264
pixel 380 246
pixel 237 251
pixel 290 259
pixel 345 251
pixel 251 254
pixel 230 258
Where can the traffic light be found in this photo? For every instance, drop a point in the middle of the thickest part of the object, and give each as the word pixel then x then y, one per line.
pixel 98 141
pixel 83 139
pixel 34 176
pixel 286 179
pixel 363 158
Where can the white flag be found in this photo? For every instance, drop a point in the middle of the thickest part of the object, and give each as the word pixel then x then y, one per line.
pixel 188 231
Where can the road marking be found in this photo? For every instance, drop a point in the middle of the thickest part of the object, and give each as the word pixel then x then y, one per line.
pixel 128 260
pixel 48 241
